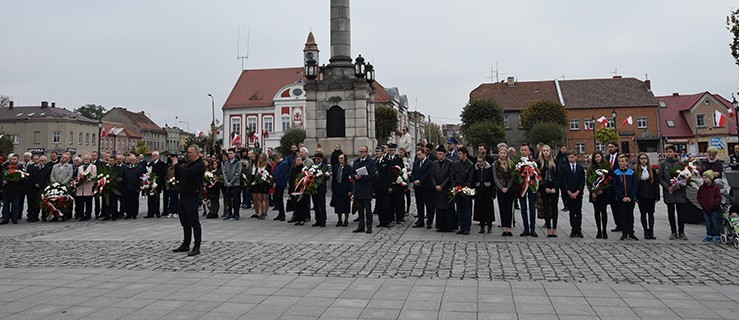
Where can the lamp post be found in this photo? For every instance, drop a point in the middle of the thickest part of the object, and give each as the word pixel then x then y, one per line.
pixel 592 123
pixel 359 67
pixel 100 131
pixel 736 114
pixel 311 69
pixel 212 124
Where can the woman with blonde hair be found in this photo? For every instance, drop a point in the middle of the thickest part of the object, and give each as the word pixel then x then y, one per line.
pixel 85 188
pixel 549 189
pixel 261 190
pixel 505 181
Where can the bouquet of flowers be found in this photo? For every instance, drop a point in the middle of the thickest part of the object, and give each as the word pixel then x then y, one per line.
pixel 262 178
pixel 80 180
pixel 683 175
pixel 401 176
pixel 528 175
pixel 54 198
pixel 462 191
pixel 149 184
pixel 107 183
pixel 172 182
pixel 14 174
pixel 308 181
pixel 210 179
pixel 599 180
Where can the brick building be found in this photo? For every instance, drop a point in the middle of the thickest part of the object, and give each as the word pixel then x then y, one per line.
pixel 153 135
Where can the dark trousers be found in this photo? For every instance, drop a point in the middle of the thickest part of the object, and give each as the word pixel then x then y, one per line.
pixel 364 207
pixel 97 205
pixel 173 202
pixel 114 206
pixel 425 206
pixel 83 206
pixel 165 202
pixel 575 208
pixel 626 213
pixel 131 203
pixel 505 206
pixel 319 205
pixel 398 203
pixel 464 212
pixel 384 207
pixel 601 217
pixel 279 204
pixel 188 208
pixel 235 205
pixel 34 205
pixel 679 225
pixel 153 202
pixel 11 208
pixel 246 194
pixel 528 210
pixel 215 204
pixel 646 209
pixel 551 212
pixel 616 217
pixel 22 200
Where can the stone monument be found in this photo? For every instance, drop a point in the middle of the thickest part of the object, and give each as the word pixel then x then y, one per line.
pixel 339 105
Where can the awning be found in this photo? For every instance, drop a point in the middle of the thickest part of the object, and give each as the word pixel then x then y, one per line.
pixel 647 135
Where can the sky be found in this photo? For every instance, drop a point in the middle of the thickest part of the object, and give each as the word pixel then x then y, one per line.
pixel 164 57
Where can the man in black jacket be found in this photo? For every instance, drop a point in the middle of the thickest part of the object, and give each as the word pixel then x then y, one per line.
pixel 38 180
pixel 420 177
pixel 132 173
pixel 98 163
pixel 159 169
pixel 11 193
pixel 190 175
pixel 573 185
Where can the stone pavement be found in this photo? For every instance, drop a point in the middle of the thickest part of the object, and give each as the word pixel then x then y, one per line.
pixel 252 269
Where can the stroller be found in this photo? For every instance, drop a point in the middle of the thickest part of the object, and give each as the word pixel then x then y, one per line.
pixel 730 225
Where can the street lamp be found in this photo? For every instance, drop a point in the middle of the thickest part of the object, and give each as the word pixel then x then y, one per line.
pixel 370 71
pixel 311 69
pixel 212 124
pixel 359 67
pixel 592 128
pixel 100 131
pixel 613 115
pixel 736 114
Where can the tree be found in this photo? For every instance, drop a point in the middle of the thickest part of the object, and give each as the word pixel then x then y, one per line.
pixel 5 101
pixel 480 110
pixel 489 132
pixel 292 137
pixel 432 133
pixel 91 111
pixel 6 145
pixel 732 24
pixel 547 133
pixel 386 122
pixel 140 148
pixel 543 111
pixel 605 135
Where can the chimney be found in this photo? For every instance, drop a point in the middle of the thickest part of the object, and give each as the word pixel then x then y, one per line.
pixel 511 82
pixel 617 77
pixel 44 104
pixel 675 94
pixel 11 104
pixel 648 84
pixel 341 42
pixel 53 104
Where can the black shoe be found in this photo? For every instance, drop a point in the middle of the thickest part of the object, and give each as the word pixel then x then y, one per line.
pixel 358 230
pixel 381 225
pixel 466 232
pixel 292 221
pixel 482 230
pixel 340 223
pixel 633 237
pixel 616 230
pixel 195 251
pixel 461 231
pixel 573 234
pixel 148 216
pixel 605 235
pixel 533 234
pixel 579 235
pixel 15 221
pixel 524 234
pixel 356 220
pixel 428 226
pixel 599 235
pixel 182 248
pixel 33 220
pixel 279 218
pixel 400 221
pixel 346 223
pixel 418 225
pixel 369 230
pixel 623 236
pixel 126 217
pixel 105 219
pixel 316 225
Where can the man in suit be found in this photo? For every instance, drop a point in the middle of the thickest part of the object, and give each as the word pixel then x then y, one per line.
pixel 132 173
pixel 158 168
pixel 612 158
pixel 319 199
pixel 38 178
pixel 26 164
pixel 117 207
pixel 451 150
pixel 420 177
pixel 441 179
pixel 383 202
pixel 396 190
pixel 573 184
pixel 363 187
pixel 280 175
pixel 53 158
pixel 62 173
pixel 190 175
pixel 232 179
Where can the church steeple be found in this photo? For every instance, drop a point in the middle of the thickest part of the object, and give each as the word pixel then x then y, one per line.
pixel 311 49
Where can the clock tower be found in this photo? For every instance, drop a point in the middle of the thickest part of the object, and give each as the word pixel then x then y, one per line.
pixel 311 50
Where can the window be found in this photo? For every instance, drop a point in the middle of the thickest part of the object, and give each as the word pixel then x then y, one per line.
pixel 600 146
pixel 641 122
pixel 236 125
pixel 506 123
pixel 574 124
pixel 251 124
pixel 285 123
pixel 71 137
pixel 700 120
pixel 580 147
pixel 87 138
pixel 93 139
pixel 611 123
pixel 37 137
pixel 80 139
pixel 589 124
pixel 16 138
pixel 670 123
pixel 57 137
pixel 268 124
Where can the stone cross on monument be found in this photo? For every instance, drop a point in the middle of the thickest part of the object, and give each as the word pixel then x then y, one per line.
pixel 339 105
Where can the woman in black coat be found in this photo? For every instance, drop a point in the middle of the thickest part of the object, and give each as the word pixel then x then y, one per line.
pixel 301 203
pixel 647 194
pixel 341 188
pixel 549 189
pixel 484 195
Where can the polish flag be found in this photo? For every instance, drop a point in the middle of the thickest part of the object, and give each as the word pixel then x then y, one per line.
pixel 587 127
pixel 106 133
pixel 603 120
pixel 629 120
pixel 237 140
pixel 200 133
pixel 719 119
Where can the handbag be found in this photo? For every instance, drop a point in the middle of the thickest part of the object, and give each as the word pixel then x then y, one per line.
pixel 289 207
pixel 332 202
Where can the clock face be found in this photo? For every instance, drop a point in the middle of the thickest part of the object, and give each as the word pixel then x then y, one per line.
pixel 309 55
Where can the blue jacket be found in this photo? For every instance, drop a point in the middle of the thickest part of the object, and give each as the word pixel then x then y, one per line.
pixel 363 187
pixel 422 174
pixel 281 174
pixel 625 184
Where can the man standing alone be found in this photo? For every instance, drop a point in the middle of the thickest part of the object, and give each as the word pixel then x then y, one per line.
pixel 190 175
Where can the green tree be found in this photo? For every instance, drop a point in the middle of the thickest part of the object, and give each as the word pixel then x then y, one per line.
pixel 293 136
pixel 140 148
pixel 432 133
pixel 6 145
pixel 386 122
pixel 732 24
pixel 489 132
pixel 480 110
pixel 604 135
pixel 91 111
pixel 549 133
pixel 5 101
pixel 543 111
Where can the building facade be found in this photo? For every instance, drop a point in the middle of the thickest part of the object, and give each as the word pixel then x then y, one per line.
pixel 153 135
pixel 117 138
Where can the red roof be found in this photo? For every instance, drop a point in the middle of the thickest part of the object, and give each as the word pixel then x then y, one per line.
pixel 516 96
pixel 607 92
pixel 107 125
pixel 675 105
pixel 257 87
pixel 141 120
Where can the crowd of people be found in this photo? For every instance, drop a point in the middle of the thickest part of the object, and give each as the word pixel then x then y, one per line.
pixel 451 187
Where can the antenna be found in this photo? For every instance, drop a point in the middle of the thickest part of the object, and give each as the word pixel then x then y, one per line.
pixel 494 74
pixel 614 72
pixel 238 46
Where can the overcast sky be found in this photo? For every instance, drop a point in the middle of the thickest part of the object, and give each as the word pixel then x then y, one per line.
pixel 164 57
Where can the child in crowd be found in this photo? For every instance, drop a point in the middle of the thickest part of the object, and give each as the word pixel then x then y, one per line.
pixel 709 197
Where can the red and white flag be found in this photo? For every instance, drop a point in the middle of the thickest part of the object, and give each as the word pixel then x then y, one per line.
pixel 237 140
pixel 200 133
pixel 719 119
pixel 106 133
pixel 732 112
pixel 629 120
pixel 603 120
pixel 588 126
